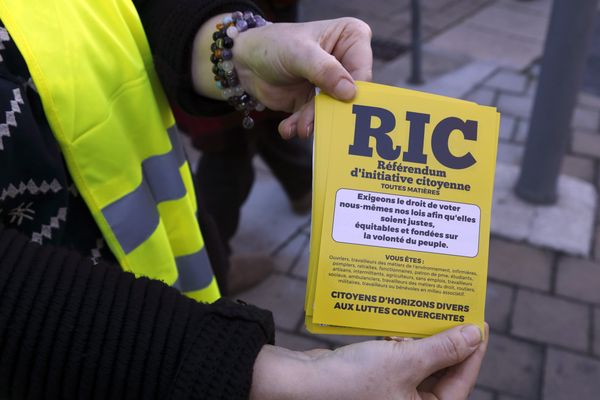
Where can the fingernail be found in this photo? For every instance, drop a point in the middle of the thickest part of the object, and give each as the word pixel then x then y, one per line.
pixel 345 89
pixel 292 131
pixel 472 335
pixel 309 129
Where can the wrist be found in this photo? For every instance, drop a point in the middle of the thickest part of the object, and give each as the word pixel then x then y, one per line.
pixel 281 374
pixel 202 76
pixel 223 71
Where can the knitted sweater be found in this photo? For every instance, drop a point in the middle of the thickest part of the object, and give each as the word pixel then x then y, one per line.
pixel 73 330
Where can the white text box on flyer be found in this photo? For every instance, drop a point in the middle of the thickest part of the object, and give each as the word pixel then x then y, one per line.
pixel 407 223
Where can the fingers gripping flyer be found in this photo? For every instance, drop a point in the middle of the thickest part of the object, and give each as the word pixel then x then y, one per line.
pixel 402 197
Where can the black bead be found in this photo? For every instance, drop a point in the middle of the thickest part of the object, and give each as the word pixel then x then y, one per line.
pixel 224 83
pixel 218 35
pixel 248 122
pixel 227 42
pixel 213 46
pixel 251 22
pixel 213 59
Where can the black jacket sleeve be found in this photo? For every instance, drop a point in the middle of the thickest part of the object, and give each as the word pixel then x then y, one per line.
pixel 73 330
pixel 170 27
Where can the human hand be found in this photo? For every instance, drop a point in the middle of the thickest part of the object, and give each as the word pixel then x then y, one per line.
pixel 280 64
pixel 444 366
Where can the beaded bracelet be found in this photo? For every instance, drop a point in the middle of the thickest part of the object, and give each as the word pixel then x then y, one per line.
pixel 225 75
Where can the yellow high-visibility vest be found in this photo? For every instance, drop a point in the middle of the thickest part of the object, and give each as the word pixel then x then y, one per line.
pixel 91 64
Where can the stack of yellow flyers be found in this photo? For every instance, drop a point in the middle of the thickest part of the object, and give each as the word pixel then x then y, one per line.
pixel 402 200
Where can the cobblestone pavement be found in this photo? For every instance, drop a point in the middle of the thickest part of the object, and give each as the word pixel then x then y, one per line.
pixel 543 306
pixel 391 20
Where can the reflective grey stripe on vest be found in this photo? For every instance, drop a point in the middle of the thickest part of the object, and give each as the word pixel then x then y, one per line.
pixel 134 217
pixel 190 276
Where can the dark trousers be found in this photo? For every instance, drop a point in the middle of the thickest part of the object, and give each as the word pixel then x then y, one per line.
pixel 225 175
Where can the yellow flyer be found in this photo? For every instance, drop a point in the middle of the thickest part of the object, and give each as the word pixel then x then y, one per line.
pixel 401 212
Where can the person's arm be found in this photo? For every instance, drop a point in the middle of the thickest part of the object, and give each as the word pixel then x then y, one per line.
pixel 171 26
pixel 280 64
pixel 71 329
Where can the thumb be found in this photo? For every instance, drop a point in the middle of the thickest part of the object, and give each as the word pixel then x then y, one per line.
pixel 443 350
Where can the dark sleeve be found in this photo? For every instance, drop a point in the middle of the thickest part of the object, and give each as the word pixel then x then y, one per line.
pixel 171 26
pixel 73 330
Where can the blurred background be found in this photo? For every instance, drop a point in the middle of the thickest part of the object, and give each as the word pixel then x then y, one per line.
pixel 543 300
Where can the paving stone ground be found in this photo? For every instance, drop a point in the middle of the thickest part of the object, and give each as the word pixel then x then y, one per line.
pixel 543 306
